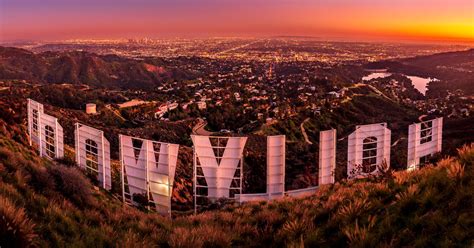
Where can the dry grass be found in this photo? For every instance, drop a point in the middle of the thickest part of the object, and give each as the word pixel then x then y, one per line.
pixel 16 229
pixel 401 177
pixel 201 236
pixel 72 184
pixel 454 169
pixel 44 204
pixel 353 209
pixel 358 235
pixel 466 154
pixel 411 192
pixel 296 229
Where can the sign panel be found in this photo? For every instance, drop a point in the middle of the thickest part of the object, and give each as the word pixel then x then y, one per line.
pixel 149 168
pixel 93 154
pixel 369 147
pixel 275 172
pixel 276 166
pixel 327 156
pixel 424 140
pixel 45 132
pixel 217 167
pixel 35 110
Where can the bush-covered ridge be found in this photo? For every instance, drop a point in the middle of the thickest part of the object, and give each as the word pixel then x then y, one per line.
pixel 50 205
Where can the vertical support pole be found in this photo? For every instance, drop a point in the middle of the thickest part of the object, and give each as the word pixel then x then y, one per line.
pixel 77 143
pixel 40 132
pixel 195 179
pixel 147 182
pixel 241 168
pixel 439 134
pixel 56 143
pixel 170 186
pixel 269 195
pixel 218 179
pixel 417 143
pixel 30 120
pixel 103 159
pixel 122 167
pixel 333 161
pixel 283 160
pixel 241 172
pixel 387 145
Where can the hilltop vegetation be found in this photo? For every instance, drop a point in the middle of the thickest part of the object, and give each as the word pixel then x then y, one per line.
pixel 48 204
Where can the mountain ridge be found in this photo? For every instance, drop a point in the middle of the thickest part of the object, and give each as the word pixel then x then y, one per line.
pixel 78 67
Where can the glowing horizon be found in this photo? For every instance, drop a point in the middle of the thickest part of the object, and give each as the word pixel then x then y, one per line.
pixel 419 20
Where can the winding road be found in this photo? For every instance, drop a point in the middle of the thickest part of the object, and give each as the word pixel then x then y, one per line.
pixel 303 131
pixel 198 129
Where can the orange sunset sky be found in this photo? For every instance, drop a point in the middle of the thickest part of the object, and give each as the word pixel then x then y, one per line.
pixel 430 20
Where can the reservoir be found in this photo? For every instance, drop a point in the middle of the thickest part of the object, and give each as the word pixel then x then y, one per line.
pixel 419 82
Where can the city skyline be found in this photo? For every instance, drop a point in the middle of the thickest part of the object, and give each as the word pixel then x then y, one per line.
pixel 364 20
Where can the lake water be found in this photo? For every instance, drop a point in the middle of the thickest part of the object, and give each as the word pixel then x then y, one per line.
pixel 419 82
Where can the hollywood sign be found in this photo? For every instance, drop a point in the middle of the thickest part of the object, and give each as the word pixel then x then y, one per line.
pixel 148 167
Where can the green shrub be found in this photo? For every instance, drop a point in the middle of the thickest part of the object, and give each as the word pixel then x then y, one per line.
pixel 72 184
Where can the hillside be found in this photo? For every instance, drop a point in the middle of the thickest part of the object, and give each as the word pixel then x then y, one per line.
pixel 301 158
pixel 454 70
pixel 86 68
pixel 448 59
pixel 47 204
pixel 430 63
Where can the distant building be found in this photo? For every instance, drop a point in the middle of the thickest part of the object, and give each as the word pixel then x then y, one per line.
pixel 91 108
pixel 164 108
pixel 172 106
pixel 334 94
pixel 237 96
pixel 201 105
pixel 132 103
pixel 161 111
pixel 270 121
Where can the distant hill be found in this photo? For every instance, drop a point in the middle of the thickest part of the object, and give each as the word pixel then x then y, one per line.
pixel 447 59
pixel 455 70
pixel 85 68
pixel 463 59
